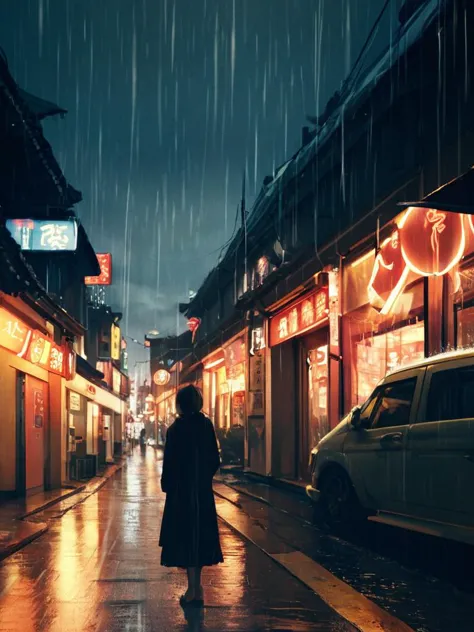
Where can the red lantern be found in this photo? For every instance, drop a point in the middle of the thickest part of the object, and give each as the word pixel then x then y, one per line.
pixel 193 325
pixel 432 241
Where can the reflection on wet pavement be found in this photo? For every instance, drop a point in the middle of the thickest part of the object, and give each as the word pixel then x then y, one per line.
pixel 98 569
pixel 425 603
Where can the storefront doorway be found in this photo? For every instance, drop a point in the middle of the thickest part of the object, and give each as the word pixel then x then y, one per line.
pixel 313 420
pixel 32 452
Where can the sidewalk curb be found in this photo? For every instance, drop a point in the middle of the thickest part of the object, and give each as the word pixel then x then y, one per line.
pixel 43 527
pixel 50 503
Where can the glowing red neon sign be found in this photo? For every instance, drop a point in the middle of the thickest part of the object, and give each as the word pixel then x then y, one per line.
pixel 428 242
pixel 300 317
pixel 432 241
pixel 193 325
pixel 105 276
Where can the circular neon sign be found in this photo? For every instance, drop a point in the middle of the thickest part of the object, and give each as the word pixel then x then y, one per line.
pixel 432 241
pixel 161 377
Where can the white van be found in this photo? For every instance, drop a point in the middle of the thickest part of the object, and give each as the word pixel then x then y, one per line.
pixel 406 457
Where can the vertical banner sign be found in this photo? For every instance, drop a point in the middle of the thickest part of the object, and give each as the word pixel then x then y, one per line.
pixel 116 340
pixel 257 372
pixel 334 311
pixel 105 276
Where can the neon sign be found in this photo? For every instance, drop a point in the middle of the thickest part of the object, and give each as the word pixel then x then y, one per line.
pixel 432 241
pixel 14 334
pixel 161 377
pixel 428 242
pixel 44 235
pixel 193 325
pixel 389 275
pixel 309 312
pixel 105 276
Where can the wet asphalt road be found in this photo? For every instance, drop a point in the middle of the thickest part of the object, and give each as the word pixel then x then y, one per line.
pixel 98 569
pixel 425 582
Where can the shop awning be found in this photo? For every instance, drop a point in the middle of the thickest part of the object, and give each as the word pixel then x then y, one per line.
pixel 456 196
pixel 87 370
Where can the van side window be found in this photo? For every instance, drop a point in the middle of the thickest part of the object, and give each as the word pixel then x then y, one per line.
pixel 451 395
pixel 394 404
pixel 368 408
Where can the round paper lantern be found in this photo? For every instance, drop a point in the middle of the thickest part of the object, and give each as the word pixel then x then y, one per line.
pixel 432 241
pixel 161 377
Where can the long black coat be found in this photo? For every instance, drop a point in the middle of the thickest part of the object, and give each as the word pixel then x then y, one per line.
pixel 189 532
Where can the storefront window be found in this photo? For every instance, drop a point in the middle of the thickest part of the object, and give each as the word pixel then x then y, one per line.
pixel 318 394
pixel 380 353
pixel 465 326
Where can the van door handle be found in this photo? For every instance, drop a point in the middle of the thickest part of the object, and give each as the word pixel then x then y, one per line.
pixel 391 438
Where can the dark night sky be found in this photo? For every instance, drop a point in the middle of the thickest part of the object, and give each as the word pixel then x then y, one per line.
pixel 168 101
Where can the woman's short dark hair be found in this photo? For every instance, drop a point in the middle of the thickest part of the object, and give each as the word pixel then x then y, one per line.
pixel 189 400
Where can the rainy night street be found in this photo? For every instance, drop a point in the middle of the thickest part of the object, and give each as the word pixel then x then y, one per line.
pixel 236 315
pixel 98 569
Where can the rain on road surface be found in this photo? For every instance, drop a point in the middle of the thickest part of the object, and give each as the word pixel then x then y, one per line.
pixel 98 569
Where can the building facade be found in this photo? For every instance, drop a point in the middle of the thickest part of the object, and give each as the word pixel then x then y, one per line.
pixel 335 277
pixel 60 418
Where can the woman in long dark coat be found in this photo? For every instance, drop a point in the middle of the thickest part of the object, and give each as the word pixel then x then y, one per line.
pixel 189 533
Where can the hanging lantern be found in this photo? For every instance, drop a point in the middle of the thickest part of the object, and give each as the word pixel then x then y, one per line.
pixel 161 377
pixel 193 325
pixel 432 241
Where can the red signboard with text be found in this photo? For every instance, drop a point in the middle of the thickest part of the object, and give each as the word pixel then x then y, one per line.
pixel 105 276
pixel 46 354
pixel 300 317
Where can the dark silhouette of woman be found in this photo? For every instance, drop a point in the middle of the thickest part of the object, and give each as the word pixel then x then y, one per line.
pixel 143 441
pixel 189 533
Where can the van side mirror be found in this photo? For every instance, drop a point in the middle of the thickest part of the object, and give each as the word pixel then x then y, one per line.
pixel 355 418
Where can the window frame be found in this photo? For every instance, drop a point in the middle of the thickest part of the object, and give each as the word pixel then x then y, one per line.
pixel 459 364
pixel 419 375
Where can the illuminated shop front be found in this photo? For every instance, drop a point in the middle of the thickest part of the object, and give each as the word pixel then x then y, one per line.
pixel 299 341
pixel 224 384
pixel 31 368
pixel 95 421
pixel 224 387
pixel 411 298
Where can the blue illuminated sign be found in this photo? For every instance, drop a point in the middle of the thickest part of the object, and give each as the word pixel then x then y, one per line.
pixel 44 235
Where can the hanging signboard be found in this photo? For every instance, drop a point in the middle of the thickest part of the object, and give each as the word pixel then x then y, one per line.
pixel 115 342
pixel 193 325
pixel 116 380
pixel 234 356
pixel 44 235
pixel 161 377
pixel 307 313
pixel 105 276
pixel 257 375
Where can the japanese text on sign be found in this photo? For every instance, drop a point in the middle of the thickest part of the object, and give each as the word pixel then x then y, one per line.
pixel 44 235
pixel 14 334
pixel 105 276
pixel 300 317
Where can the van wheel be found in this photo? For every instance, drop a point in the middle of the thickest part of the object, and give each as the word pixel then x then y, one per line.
pixel 338 498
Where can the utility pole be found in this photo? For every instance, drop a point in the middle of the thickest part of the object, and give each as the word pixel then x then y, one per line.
pixel 244 228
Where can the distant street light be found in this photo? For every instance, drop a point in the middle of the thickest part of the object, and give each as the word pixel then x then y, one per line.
pixel 153 332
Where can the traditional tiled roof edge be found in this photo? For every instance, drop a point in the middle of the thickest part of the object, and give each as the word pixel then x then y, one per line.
pixel 35 135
